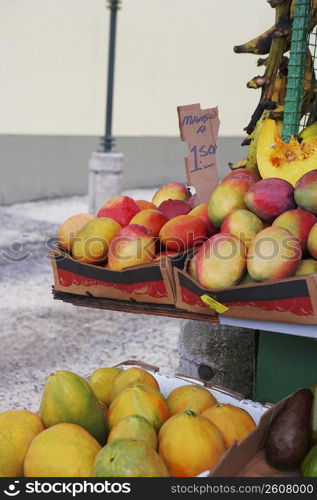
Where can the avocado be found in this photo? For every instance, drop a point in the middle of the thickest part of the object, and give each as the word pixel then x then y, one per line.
pixel 314 413
pixel 289 436
pixel 308 467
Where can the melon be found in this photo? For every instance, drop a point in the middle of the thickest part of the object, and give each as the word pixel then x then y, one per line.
pixel 290 161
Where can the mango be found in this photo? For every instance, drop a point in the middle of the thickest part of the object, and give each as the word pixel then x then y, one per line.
pixel 191 267
pixel 67 397
pixel 243 172
pixel 298 222
pixel 201 211
pixel 308 467
pixel 144 205
pixel 69 229
pixel 306 191
pixel 274 254
pixel 246 279
pixel 228 196
pixel 133 245
pixel 307 266
pixel 269 198
pixel 221 261
pixel 173 208
pixel 171 191
pixel 92 242
pixel 183 232
pixel 151 219
pixel 312 241
pixel 18 428
pixel 164 253
pixel 64 450
pixel 119 208
pixel 243 224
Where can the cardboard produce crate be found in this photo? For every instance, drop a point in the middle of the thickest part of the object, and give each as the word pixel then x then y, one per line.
pixel 150 283
pixel 247 459
pixel 290 300
pixel 169 382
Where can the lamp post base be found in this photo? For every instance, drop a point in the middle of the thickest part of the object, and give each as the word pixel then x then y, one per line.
pixel 105 178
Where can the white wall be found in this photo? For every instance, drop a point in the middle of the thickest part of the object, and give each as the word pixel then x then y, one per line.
pixel 170 52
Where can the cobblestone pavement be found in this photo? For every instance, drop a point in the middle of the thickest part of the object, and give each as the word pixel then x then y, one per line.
pixel 39 335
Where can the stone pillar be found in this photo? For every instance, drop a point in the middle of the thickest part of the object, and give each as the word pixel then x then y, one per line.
pixel 105 178
pixel 223 355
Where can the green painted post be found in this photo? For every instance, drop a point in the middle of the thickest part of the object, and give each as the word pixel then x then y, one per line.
pixel 284 364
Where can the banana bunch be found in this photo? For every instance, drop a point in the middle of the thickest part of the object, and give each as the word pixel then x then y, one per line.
pixel 309 134
pixel 261 44
pixel 274 43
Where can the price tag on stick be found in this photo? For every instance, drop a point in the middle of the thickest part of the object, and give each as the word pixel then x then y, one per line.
pixel 199 128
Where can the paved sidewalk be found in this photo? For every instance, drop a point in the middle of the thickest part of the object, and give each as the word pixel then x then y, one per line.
pixel 39 335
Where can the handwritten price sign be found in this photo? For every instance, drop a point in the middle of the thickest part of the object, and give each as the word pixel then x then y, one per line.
pixel 199 128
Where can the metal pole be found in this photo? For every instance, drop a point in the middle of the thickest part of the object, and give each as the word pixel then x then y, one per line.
pixel 107 141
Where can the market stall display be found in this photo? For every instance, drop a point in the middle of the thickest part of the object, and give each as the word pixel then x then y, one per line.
pixel 252 258
pixel 244 247
pixel 134 419
pixel 252 253
pixel 143 425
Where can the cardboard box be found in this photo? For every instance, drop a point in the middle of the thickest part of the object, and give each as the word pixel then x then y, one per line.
pixel 290 300
pixel 151 283
pixel 247 459
pixel 167 383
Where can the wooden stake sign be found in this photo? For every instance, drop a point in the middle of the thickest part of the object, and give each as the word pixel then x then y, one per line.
pixel 199 128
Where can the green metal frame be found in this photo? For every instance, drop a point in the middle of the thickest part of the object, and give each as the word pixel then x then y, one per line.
pixel 296 70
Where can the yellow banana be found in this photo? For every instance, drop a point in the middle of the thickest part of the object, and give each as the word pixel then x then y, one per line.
pixel 277 113
pixel 308 132
pixel 251 158
pixel 279 88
